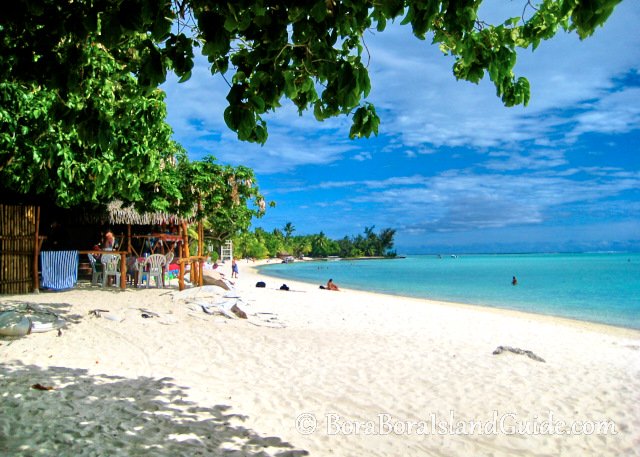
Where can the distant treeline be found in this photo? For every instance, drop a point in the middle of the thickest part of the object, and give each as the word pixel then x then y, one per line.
pixel 260 244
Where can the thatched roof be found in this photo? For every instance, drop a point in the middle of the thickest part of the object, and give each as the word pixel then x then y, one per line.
pixel 115 213
pixel 118 213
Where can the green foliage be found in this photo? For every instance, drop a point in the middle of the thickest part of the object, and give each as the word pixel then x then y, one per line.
pixel 226 198
pixel 288 230
pixel 103 140
pixel 311 52
pixel 247 245
pixel 261 244
pixel 588 15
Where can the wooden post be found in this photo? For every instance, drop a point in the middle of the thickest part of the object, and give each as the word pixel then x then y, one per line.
pixel 200 230
pixel 129 247
pixel 200 247
pixel 123 270
pixel 185 239
pixel 185 253
pixel 181 277
pixel 36 252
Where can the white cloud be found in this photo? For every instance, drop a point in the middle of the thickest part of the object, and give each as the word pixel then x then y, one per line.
pixel 617 112
pixel 362 156
pixel 459 200
pixel 531 160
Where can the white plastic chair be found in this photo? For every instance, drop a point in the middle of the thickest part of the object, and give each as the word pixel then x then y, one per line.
pixel 111 267
pixel 153 268
pixel 96 275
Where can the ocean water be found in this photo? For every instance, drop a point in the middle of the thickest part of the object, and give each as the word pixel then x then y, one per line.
pixel 602 288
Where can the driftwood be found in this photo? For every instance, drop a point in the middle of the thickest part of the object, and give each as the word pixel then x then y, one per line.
pixel 531 355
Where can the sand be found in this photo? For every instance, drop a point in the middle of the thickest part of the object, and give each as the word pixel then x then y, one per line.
pixel 312 372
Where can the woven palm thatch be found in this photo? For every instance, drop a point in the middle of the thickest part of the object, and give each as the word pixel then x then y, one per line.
pixel 119 213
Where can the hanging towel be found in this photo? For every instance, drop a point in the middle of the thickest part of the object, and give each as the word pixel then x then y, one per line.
pixel 59 269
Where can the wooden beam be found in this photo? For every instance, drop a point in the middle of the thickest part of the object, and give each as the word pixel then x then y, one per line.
pixel 129 246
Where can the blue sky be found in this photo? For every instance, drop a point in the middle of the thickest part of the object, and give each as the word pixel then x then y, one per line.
pixel 452 169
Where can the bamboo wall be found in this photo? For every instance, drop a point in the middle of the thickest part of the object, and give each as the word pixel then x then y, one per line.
pixel 18 249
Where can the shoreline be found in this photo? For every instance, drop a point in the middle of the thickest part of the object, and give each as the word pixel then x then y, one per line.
pixel 310 372
pixel 606 328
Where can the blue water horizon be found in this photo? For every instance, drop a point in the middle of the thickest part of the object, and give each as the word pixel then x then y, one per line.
pixel 602 288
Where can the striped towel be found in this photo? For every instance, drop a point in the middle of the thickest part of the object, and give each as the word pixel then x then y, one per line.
pixel 59 269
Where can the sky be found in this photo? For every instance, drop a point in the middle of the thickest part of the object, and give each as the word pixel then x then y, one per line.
pixel 452 169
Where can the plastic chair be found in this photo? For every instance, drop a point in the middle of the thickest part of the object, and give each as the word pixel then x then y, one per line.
pixel 111 267
pixel 154 268
pixel 96 273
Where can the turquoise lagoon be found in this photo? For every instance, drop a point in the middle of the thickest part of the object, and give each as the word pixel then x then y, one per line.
pixel 601 288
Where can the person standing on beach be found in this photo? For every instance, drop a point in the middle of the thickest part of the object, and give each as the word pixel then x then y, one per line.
pixel 234 268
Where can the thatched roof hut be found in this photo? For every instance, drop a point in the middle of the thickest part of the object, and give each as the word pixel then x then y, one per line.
pixel 50 227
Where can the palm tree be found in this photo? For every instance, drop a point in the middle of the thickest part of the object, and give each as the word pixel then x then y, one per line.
pixel 372 241
pixel 288 230
pixel 386 240
pixel 319 245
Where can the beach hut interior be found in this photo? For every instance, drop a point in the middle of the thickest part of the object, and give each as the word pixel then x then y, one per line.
pixel 34 226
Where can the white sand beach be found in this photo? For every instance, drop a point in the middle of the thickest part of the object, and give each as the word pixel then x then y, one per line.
pixel 313 372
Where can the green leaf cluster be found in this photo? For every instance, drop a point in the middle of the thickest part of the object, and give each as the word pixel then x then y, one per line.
pixel 224 197
pixel 103 140
pixel 312 52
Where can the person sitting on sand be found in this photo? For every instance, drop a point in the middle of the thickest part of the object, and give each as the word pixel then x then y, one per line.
pixel 331 285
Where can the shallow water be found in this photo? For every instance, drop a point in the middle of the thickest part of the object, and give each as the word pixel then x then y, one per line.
pixel 602 288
